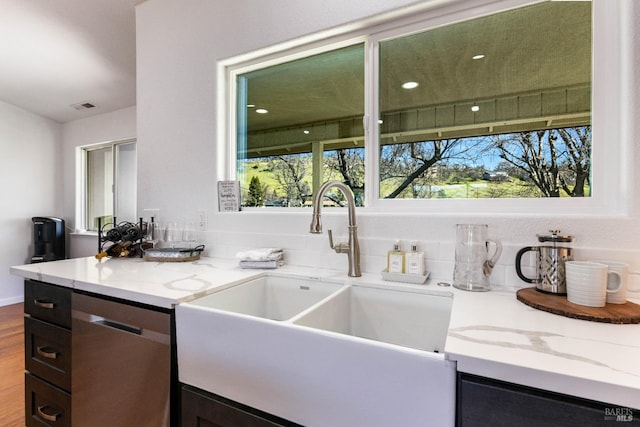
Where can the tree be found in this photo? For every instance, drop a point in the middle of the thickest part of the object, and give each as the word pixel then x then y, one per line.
pixel 256 195
pixel 349 163
pixel 290 171
pixel 578 142
pixel 412 161
pixel 553 159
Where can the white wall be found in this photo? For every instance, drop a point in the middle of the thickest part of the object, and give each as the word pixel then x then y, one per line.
pixel 178 46
pixel 117 125
pixel 39 179
pixel 31 186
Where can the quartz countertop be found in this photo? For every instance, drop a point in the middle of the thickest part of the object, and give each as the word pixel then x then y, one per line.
pixel 160 284
pixel 491 334
pixel 494 335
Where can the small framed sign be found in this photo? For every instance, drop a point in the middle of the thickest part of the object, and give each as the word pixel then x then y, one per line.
pixel 228 196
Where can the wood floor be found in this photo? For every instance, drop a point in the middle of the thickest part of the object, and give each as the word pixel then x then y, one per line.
pixel 12 365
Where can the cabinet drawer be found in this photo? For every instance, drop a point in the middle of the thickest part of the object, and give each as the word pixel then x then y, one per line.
pixel 45 404
pixel 486 402
pixel 48 302
pixel 200 408
pixel 48 352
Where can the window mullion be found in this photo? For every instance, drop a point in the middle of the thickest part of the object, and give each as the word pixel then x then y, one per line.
pixel 371 126
pixel 114 180
pixel 317 165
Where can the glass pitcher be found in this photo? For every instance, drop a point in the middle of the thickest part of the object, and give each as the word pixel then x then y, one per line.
pixel 473 264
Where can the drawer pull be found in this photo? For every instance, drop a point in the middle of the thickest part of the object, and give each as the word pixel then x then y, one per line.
pixel 47 352
pixel 44 304
pixel 53 417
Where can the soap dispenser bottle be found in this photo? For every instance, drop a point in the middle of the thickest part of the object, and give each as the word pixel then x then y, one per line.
pixel 414 260
pixel 395 259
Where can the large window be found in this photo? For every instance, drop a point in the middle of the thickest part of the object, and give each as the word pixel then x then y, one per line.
pixel 298 125
pixel 109 183
pixel 490 106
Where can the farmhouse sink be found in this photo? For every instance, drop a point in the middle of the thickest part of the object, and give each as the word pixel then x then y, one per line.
pixel 270 297
pixel 407 319
pixel 351 355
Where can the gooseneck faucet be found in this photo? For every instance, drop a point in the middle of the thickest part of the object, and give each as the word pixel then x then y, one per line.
pixel 351 248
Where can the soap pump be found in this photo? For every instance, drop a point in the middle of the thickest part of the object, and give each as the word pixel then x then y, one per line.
pixel 396 259
pixel 414 260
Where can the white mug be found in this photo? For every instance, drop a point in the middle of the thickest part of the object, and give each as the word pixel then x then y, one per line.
pixel 587 283
pixel 622 269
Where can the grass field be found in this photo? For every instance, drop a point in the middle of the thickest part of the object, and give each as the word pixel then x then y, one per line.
pixel 509 188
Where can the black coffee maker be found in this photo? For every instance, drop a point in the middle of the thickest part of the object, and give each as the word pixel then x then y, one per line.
pixel 48 239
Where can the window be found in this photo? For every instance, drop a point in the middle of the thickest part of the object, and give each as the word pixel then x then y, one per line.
pixel 455 104
pixel 297 126
pixel 109 172
pixel 487 108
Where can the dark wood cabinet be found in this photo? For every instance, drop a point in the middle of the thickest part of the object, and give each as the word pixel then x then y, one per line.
pixel 48 352
pixel 49 303
pixel 203 409
pixel 47 345
pixel 46 405
pixel 125 365
pixel 485 402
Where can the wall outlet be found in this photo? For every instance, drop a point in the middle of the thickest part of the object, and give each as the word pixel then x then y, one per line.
pixel 202 220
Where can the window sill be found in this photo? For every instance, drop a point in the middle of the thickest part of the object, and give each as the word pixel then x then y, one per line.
pixel 84 233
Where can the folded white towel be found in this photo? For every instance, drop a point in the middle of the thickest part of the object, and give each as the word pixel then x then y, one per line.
pixel 261 254
pixel 261 264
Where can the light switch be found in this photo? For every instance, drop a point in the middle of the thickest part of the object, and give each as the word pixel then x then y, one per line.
pixel 202 220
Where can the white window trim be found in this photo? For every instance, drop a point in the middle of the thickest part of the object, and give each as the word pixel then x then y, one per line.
pixel 611 118
pixel 81 181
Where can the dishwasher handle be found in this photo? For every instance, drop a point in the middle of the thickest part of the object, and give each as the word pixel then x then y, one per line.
pixel 117 325
pixel 119 317
pixel 114 325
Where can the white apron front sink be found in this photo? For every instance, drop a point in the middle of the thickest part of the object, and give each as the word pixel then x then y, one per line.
pixel 408 319
pixel 270 297
pixel 342 372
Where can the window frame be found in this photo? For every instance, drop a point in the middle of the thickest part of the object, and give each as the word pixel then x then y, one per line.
pixel 82 187
pixel 608 110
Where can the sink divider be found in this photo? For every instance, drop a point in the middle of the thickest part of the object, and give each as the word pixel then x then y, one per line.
pixel 321 306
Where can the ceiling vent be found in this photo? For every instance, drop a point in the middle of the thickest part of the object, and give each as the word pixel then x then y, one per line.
pixel 83 105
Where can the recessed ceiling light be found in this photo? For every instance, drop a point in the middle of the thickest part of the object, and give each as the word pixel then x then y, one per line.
pixel 410 85
pixel 380 121
pixel 251 105
pixel 306 132
pixel 475 108
pixel 480 56
pixel 261 111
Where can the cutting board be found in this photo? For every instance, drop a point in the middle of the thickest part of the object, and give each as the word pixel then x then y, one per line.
pixel 558 304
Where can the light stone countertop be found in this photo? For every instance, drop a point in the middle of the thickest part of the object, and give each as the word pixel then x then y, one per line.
pixel 155 283
pixel 491 334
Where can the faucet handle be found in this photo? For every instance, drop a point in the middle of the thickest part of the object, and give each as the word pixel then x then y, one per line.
pixel 340 248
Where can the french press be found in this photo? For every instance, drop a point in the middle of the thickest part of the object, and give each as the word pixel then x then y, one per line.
pixel 550 265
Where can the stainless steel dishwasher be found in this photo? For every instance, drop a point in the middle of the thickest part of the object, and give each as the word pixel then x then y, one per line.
pixel 121 364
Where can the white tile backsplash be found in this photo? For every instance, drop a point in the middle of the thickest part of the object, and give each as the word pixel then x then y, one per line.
pixel 312 250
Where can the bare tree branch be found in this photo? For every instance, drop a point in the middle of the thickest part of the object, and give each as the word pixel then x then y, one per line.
pixel 547 155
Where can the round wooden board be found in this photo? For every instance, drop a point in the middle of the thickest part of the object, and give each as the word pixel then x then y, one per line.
pixel 558 304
